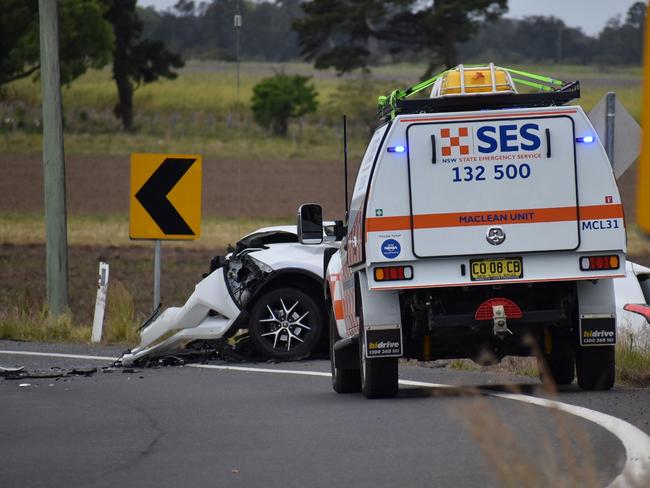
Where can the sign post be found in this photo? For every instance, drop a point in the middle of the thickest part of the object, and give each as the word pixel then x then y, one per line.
pixel 618 131
pixel 610 125
pixel 157 271
pixel 165 202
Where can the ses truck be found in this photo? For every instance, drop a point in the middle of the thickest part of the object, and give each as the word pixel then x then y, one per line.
pixel 483 221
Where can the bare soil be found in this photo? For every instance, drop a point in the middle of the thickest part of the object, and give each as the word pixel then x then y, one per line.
pixel 99 185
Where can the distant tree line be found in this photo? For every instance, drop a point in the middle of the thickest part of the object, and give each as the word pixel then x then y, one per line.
pixel 357 32
pixel 542 39
pixel 204 30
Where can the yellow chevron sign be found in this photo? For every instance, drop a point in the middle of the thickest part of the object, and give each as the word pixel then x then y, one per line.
pixel 165 196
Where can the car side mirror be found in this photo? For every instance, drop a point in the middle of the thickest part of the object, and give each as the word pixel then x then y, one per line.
pixel 310 224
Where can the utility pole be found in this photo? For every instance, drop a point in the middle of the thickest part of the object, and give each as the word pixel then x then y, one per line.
pixel 56 247
pixel 238 24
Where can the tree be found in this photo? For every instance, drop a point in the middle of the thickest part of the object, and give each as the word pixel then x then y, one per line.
pixel 85 38
pixel 635 17
pixel 135 61
pixel 335 33
pixel 622 43
pixel 281 97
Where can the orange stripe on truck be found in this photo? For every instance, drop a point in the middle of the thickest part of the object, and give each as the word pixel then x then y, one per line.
pixel 595 212
pixel 494 217
pixel 379 224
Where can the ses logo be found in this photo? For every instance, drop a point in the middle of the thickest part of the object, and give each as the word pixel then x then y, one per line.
pixel 390 248
pixel 488 139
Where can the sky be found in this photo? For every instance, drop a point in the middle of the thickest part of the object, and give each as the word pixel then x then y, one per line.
pixel 590 15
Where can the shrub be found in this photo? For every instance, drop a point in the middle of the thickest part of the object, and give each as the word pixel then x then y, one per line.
pixel 281 97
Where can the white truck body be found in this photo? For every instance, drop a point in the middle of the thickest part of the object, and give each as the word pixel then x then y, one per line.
pixel 479 200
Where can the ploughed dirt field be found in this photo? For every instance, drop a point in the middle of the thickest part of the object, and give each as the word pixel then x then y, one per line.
pixel 99 185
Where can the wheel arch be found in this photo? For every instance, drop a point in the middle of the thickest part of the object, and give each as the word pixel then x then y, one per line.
pixel 293 277
pixel 297 278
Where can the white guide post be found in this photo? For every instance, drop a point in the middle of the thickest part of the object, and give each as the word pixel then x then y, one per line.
pixel 100 302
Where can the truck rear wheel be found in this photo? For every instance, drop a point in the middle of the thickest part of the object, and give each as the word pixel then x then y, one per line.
pixel 559 369
pixel 596 367
pixel 378 375
pixel 343 380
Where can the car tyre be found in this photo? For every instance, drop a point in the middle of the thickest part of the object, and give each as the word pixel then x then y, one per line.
pixel 557 369
pixel 285 324
pixel 343 380
pixel 596 367
pixel 378 375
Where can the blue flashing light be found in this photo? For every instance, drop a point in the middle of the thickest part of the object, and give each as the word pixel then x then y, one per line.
pixel 586 139
pixel 397 149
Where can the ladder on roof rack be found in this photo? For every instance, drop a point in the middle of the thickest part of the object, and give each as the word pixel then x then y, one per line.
pixel 551 92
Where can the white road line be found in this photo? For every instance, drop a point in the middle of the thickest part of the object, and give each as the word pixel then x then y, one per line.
pixel 57 355
pixel 260 370
pixel 634 440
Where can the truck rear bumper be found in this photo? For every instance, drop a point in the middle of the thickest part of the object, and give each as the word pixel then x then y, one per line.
pixel 455 271
pixel 540 317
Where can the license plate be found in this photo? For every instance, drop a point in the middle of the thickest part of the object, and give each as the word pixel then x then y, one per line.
pixel 496 269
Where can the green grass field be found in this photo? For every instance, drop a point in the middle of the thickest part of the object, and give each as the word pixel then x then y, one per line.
pixel 211 86
pixel 198 112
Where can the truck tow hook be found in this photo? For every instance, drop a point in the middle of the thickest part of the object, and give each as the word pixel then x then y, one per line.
pixel 500 321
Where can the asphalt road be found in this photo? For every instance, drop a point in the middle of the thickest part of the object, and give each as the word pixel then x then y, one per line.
pixel 195 426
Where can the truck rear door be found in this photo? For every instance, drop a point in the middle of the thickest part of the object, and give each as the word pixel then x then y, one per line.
pixel 493 185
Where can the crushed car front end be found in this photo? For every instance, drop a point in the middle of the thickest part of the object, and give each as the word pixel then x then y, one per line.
pixel 240 282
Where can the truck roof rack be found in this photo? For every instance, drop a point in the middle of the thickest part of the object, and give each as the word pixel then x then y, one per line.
pixel 551 92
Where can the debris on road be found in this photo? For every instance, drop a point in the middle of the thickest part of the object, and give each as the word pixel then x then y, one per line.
pixel 10 371
pixel 83 371
pixel 22 374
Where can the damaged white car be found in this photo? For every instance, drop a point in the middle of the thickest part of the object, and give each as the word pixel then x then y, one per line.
pixel 270 284
pixel 632 310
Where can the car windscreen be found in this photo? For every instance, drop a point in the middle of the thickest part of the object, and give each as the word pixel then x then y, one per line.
pixel 263 238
